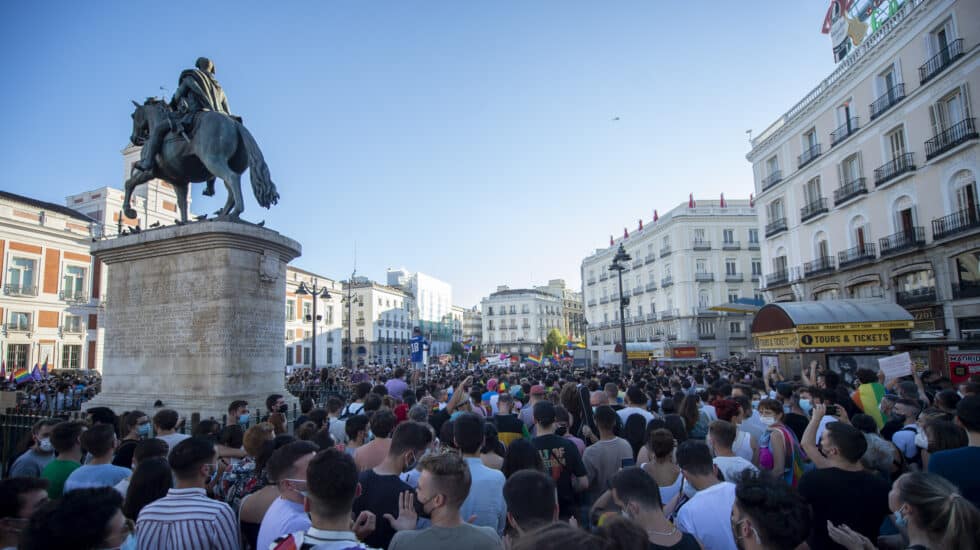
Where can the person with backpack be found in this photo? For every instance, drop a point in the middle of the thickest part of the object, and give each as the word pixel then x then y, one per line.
pixel 904 438
pixel 779 450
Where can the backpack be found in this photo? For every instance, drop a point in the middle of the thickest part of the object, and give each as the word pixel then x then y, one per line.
pixel 347 412
pixel 917 459
pixel 795 465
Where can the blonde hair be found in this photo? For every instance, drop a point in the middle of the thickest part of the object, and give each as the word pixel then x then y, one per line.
pixel 256 436
pixel 942 511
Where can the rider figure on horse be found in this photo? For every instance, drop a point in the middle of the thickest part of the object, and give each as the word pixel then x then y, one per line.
pixel 198 91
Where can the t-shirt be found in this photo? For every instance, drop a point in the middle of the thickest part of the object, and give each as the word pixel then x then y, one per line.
pixel 56 472
pixel 282 517
pixel 687 542
pixel 396 387
pixel 708 516
pixel 173 439
pixel 463 535
pixel 379 495
pixel 797 423
pixel 625 413
pixel 858 499
pixel 124 453
pixel 603 459
pixel 30 464
pixel 959 466
pixel 562 460
pixel 732 466
pixel 92 476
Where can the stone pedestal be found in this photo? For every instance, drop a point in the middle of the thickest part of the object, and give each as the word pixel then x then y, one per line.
pixel 194 317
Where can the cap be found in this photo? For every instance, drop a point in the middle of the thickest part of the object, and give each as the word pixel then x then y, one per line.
pixel 492 384
pixel 544 413
pixel 537 389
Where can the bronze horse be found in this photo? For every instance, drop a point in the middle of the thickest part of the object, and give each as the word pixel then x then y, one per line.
pixel 218 146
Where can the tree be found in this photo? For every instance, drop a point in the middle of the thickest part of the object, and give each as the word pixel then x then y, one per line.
pixel 553 342
pixel 456 350
pixel 476 353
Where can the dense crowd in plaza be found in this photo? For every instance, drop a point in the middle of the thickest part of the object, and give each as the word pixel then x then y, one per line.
pixel 711 456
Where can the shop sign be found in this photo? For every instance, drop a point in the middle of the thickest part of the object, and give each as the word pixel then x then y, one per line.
pixel 776 341
pixel 846 339
pixel 685 353
pixel 963 365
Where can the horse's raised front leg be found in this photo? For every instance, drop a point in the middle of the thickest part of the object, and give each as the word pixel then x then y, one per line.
pixel 137 178
pixel 181 190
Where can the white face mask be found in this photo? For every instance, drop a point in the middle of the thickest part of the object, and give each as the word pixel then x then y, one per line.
pixel 768 420
pixel 921 441
pixel 45 446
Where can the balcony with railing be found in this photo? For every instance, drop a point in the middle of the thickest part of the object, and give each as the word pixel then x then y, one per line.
pixel 777 278
pixel 651 316
pixel 700 244
pixel 959 133
pixel 844 131
pixel 637 263
pixel 666 281
pixel 939 62
pixel 604 276
pixel 665 251
pixel 592 302
pixel 651 287
pixel 808 156
pixel 902 241
pixel 924 295
pixel 966 289
pixel 73 296
pixel 669 314
pixel 704 277
pixel 821 266
pixel 861 254
pixel 755 277
pixel 637 290
pixel 20 290
pixel 626 292
pixel 649 259
pixel 772 179
pixel 705 311
pixel 604 300
pixel 591 281
pixel 813 209
pixel 734 277
pixel 753 245
pixel 850 190
pixel 902 164
pixel 73 328
pixel 895 94
pixel 731 245
pixel 20 326
pixel 775 227
pixel 956 223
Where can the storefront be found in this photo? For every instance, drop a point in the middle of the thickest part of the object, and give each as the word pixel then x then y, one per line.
pixel 845 335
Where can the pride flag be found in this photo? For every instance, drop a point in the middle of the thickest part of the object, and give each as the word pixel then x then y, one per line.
pixel 3 370
pixel 868 399
pixel 22 375
pixel 534 359
pixel 36 373
pixel 572 344
pixel 44 368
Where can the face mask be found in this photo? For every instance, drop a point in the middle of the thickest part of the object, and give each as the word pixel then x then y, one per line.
pixel 45 446
pixel 560 431
pixel 900 520
pixel 143 430
pixel 420 508
pixel 921 441
pixel 284 408
pixel 768 420
pixel 243 418
pixel 806 405
pixel 755 404
pixel 786 409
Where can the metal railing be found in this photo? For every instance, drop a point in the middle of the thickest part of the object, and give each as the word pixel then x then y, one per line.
pixel 939 62
pixel 591 281
pixel 917 296
pixel 665 251
pixel 854 256
pixel 844 131
pixel 896 167
pixel 604 300
pixel 637 290
pixel 17 327
pixel 966 290
pixel 73 328
pixel 903 240
pixel 649 259
pixel 808 156
pixel 894 94
pixel 704 277
pixel 731 245
pixel 776 278
pixel 823 264
pixel 775 227
pixel 813 209
pixel 73 297
pixel 20 290
pixel 850 190
pixel 957 222
pixel 753 245
pixel 772 179
pixel 961 132
pixel 669 314
pixel 734 277
pixel 701 245
pixel 666 281
pixel 651 287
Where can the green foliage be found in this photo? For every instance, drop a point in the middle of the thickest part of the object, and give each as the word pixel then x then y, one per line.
pixel 553 342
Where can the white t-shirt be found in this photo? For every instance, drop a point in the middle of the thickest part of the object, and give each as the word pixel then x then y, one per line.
pixel 630 411
pixel 173 439
pixel 708 516
pixel 732 466
pixel 743 445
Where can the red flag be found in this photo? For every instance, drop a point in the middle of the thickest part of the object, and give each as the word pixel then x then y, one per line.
pixel 751 200
pixel 626 234
pixel 610 240
pixel 655 216
pixel 723 205
pixel 641 224
pixel 690 201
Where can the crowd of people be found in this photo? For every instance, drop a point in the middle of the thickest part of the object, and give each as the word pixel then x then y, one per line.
pixel 713 456
pixel 54 393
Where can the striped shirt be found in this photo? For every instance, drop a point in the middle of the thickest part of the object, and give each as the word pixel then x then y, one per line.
pixel 186 519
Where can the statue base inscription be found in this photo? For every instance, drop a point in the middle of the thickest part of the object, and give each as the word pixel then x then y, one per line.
pixel 195 317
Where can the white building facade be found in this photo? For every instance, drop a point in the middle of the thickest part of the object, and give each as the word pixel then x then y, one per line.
pixel 682 264
pixel 473 326
pixel 518 320
pixel 300 321
pixel 433 302
pixel 573 316
pixel 868 184
pixel 380 319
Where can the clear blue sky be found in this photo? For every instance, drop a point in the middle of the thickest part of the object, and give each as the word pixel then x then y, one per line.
pixel 471 140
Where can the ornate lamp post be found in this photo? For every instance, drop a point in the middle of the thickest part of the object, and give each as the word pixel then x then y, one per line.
pixel 317 292
pixel 618 265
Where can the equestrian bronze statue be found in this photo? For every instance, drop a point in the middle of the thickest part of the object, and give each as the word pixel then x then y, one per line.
pixel 195 139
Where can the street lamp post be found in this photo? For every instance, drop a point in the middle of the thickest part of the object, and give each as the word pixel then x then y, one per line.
pixel 316 292
pixel 619 265
pixel 350 322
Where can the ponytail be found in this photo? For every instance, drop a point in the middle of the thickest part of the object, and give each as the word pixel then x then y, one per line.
pixel 941 510
pixel 962 529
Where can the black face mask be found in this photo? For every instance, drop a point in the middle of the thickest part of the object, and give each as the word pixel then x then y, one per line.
pixel 560 431
pixel 284 408
pixel 420 508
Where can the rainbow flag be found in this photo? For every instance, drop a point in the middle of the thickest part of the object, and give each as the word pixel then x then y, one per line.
pixel 571 344
pixel 868 398
pixel 3 370
pixel 22 375
pixel 534 359
pixel 44 368
pixel 36 373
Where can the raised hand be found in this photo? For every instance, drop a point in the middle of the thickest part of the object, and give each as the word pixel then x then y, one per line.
pixel 407 518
